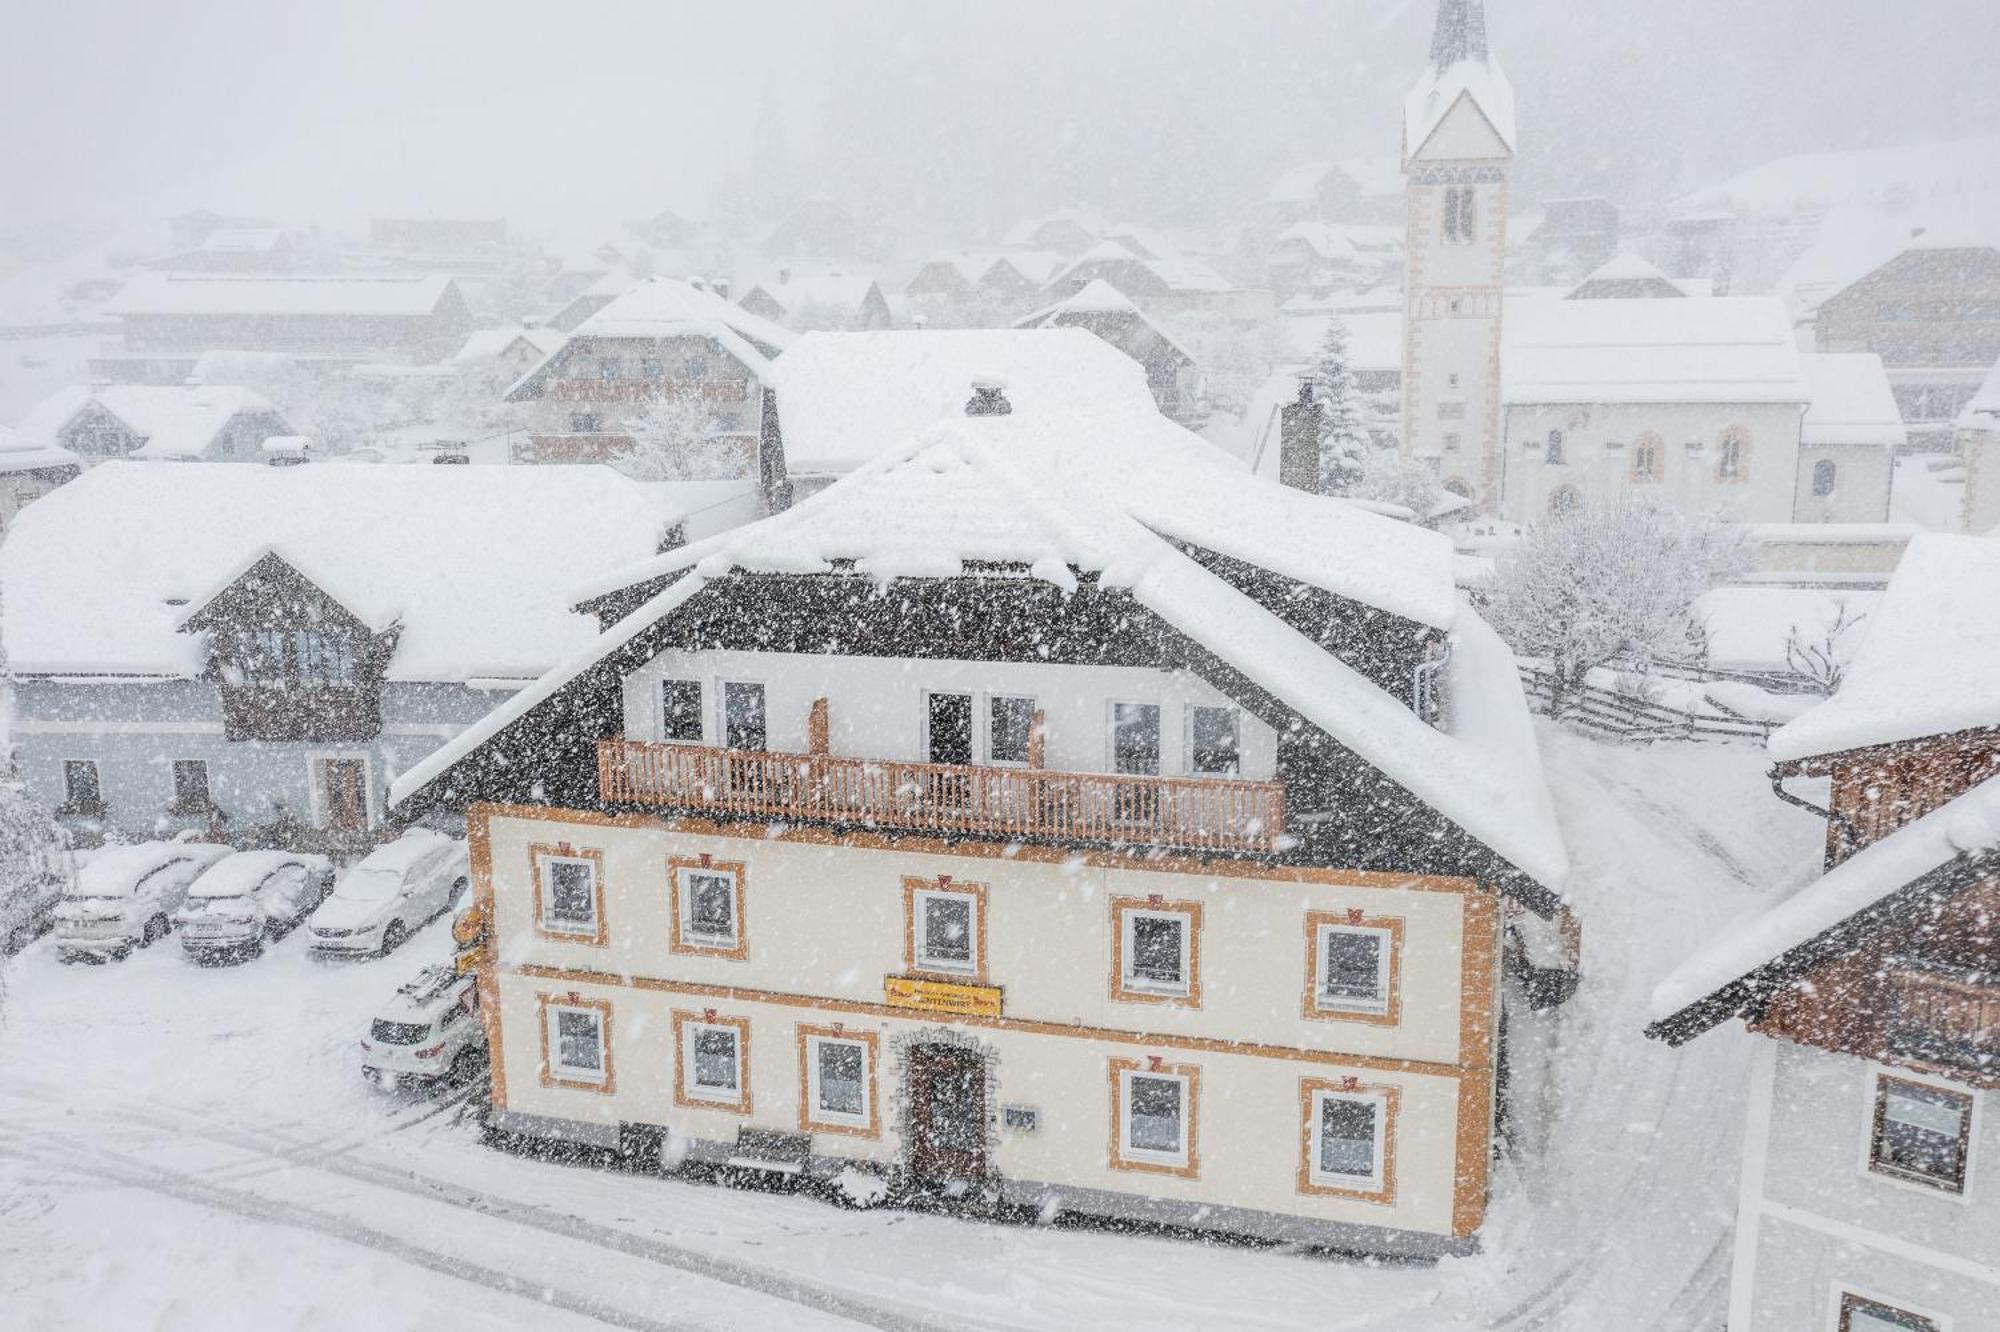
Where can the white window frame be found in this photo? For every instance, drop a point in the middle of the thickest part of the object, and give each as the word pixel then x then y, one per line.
pixel 1870 1088
pixel 1838 1288
pixel 1384 970
pixel 660 684
pixel 1187 765
pixel 684 899
pixel 568 1072
pixel 694 1089
pixel 822 1115
pixel 1128 942
pixel 975 751
pixel 984 743
pixel 722 684
pixel 1111 707
pixel 549 921
pixel 1373 1180
pixel 1148 1155
pixel 920 899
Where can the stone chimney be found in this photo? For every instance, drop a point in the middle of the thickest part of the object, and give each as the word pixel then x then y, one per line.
pixel 989 397
pixel 1298 441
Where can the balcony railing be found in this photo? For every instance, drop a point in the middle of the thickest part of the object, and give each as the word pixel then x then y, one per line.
pixel 1029 804
pixel 1943 1015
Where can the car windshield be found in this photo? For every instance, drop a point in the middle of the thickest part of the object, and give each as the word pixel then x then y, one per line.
pixel 400 1033
pixel 370 885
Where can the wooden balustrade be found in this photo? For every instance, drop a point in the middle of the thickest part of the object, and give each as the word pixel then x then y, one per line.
pixel 1180 812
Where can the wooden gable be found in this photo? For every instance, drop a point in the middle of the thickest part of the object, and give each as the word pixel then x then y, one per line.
pixel 1882 788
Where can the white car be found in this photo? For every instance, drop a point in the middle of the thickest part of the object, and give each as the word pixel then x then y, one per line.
pixel 429 1032
pixel 389 892
pixel 126 897
pixel 37 870
pixel 252 896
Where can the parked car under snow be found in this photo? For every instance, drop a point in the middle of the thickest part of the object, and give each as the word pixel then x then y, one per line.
pixel 390 892
pixel 126 897
pixel 250 897
pixel 428 1032
pixel 36 871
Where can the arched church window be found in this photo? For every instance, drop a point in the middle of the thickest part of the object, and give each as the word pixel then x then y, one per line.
pixel 1555 449
pixel 1732 455
pixel 1646 460
pixel 1824 476
pixel 1564 500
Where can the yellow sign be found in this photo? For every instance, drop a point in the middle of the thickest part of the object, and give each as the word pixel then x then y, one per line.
pixel 470 960
pixel 941 996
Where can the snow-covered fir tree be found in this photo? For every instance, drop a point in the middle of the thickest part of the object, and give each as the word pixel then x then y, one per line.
pixel 1343 434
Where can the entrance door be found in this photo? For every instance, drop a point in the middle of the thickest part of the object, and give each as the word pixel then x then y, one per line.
pixel 947 1112
pixel 345 784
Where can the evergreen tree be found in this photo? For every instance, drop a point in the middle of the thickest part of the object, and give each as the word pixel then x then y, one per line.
pixel 1343 436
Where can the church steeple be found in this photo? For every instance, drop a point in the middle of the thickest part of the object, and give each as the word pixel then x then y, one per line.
pixel 1461 33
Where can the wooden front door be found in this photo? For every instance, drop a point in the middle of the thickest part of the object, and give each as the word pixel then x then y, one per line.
pixel 345 784
pixel 947 1092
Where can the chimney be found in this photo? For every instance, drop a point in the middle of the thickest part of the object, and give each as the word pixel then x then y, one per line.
pixel 989 397
pixel 1298 441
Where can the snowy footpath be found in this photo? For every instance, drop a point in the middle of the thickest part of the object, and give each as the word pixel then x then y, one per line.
pixel 192 1148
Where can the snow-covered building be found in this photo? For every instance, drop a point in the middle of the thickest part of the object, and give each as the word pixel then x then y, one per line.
pixel 804 301
pixel 191 422
pixel 1458 151
pixel 1872 1151
pixel 174 317
pixel 1848 440
pixel 28 471
pixel 1979 442
pixel 1171 285
pixel 1357 190
pixel 662 341
pixel 266 647
pixel 1102 309
pixel 1048 812
pixel 1066 231
pixel 1321 257
pixel 510 350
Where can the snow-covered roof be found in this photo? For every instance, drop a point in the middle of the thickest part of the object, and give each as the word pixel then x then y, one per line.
pixel 1176 272
pixel 845 397
pixel 1968 826
pixel 474 562
pixel 801 290
pixel 410 296
pixel 1930 662
pixel 21 454
pixel 1621 268
pixel 399 856
pixel 1022 234
pixel 1721 349
pixel 174 420
pixel 243 240
pixel 1439 90
pixel 1852 402
pixel 486 343
pixel 1036 266
pixel 1982 412
pixel 1114 493
pixel 236 875
pixel 662 307
pixel 116 870
pixel 1094 297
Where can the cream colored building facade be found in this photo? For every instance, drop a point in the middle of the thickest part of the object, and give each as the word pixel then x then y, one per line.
pixel 826 927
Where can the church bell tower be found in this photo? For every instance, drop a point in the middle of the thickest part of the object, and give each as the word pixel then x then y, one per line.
pixel 1458 147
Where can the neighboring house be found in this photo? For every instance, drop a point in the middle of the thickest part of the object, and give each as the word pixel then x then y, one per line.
pixel 816 229
pixel 1871 1165
pixel 1979 441
pixel 509 351
pixel 839 399
pixel 1575 237
pixel 950 279
pixel 1019 277
pixel 1848 441
pixel 806 302
pixel 263 648
pixel 1102 309
pixel 1169 286
pixel 191 422
pixel 1932 314
pixel 599 293
pixel 1049 813
pixel 664 340
pixel 29 471
pixel 1627 277
pixel 1322 256
pixel 1358 190
pixel 173 317
pixel 1067 232
pixel 236 250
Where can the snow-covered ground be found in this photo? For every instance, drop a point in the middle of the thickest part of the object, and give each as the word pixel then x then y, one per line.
pixel 184 1147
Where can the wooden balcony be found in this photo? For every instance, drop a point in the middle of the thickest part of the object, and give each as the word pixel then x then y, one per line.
pixel 1181 813
pixel 1944 1015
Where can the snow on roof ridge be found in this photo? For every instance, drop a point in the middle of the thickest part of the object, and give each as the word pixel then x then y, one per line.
pixel 1439 90
pixel 1968 825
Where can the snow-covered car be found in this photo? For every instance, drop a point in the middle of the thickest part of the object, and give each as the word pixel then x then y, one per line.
pixel 430 1031
pixel 249 897
pixel 36 871
pixel 389 892
pixel 126 897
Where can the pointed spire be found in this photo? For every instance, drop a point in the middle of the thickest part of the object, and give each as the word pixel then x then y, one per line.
pixel 1461 33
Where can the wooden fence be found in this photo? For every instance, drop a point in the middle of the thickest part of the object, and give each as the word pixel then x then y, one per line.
pixel 1627 717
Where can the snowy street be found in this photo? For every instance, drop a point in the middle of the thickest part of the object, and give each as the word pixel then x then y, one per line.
pixel 193 1147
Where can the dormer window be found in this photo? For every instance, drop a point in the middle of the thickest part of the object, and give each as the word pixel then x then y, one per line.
pixel 282 658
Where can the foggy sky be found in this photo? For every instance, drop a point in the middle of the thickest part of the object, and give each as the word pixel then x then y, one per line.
pixel 963 115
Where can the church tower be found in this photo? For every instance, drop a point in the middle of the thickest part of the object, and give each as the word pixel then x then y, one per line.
pixel 1458 145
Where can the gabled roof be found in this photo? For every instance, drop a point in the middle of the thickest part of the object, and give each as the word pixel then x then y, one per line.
pixel 663 307
pixel 1477 82
pixel 1174 272
pixel 1626 275
pixel 845 397
pixel 406 297
pixel 1852 402
pixel 1095 299
pixel 1113 495
pixel 833 290
pixel 1723 349
pixel 1945 849
pixel 474 562
pixel 1983 411
pixel 1022 234
pixel 1037 266
pixel 486 343
pixel 174 420
pixel 20 454
pixel 1929 663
